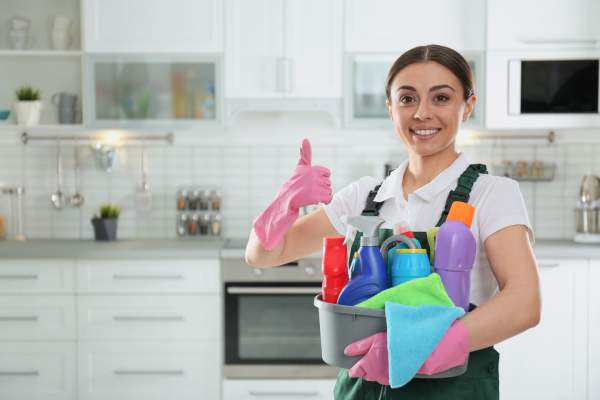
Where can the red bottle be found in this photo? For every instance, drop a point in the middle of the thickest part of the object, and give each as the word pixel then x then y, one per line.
pixel 335 267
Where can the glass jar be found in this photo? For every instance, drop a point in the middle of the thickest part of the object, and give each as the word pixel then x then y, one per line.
pixel 215 197
pixel 193 225
pixel 181 227
pixel 193 199
pixel 204 199
pixel 181 199
pixel 215 225
pixel 205 224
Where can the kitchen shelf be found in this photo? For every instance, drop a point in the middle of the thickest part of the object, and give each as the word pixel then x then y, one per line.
pixel 40 53
pixel 545 174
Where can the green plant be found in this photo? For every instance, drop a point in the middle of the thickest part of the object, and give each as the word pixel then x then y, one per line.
pixel 109 211
pixel 27 93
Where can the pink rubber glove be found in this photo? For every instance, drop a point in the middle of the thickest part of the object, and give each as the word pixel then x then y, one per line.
pixel 373 366
pixel 308 185
pixel 452 350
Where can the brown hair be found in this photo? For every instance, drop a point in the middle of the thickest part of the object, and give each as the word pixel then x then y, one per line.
pixel 442 55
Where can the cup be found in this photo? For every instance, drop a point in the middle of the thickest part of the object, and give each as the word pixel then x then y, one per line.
pixel 20 39
pixel 67 107
pixel 60 39
pixel 20 23
pixel 61 23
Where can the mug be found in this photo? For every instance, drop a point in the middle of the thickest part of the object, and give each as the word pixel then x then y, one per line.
pixel 67 106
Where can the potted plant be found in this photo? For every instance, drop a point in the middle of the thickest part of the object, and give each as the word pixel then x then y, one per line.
pixel 105 225
pixel 29 106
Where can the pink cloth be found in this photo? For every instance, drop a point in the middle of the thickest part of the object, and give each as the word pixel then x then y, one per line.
pixel 309 184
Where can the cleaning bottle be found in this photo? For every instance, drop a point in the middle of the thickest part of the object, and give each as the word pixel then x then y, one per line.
pixel 455 248
pixel 335 273
pixel 372 277
pixel 354 265
pixel 401 245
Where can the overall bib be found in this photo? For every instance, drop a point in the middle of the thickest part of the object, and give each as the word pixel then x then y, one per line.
pixel 479 382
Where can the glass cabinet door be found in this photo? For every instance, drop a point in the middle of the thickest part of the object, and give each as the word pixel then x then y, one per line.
pixel 143 91
pixel 365 91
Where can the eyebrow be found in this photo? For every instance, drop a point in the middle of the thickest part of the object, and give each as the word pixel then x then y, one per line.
pixel 433 88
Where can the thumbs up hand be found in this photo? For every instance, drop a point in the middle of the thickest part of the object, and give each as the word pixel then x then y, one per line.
pixel 309 184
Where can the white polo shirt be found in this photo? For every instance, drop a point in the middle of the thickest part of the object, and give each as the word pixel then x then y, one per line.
pixel 497 200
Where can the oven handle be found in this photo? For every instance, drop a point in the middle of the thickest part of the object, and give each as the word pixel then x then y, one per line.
pixel 273 290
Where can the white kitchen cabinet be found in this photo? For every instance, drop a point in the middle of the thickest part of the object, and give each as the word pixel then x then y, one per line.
pixel 160 26
pixel 34 371
pixel 281 389
pixel 549 361
pixel 593 374
pixel 396 26
pixel 27 276
pixel 283 49
pixel 149 370
pixel 553 24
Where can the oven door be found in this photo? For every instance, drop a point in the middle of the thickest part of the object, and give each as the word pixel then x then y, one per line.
pixel 272 323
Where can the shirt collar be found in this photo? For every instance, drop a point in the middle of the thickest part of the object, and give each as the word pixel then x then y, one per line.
pixel 392 185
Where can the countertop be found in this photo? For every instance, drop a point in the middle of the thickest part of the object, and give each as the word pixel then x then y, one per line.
pixel 229 248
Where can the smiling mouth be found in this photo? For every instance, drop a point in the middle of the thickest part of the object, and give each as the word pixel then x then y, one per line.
pixel 424 132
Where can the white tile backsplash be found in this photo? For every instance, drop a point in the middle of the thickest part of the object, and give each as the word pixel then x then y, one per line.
pixel 250 172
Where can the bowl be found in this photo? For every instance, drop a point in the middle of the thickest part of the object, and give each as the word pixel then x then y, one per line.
pixel 4 115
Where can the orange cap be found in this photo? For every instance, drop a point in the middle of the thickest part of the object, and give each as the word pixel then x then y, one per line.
pixel 461 212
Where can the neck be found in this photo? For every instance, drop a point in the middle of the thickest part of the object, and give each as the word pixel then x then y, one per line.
pixel 423 169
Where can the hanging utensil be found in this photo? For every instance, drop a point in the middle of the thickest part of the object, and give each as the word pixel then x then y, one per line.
pixel 58 198
pixel 144 194
pixel 77 198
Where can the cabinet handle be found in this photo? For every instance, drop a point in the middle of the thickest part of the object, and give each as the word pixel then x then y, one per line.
pixel 549 265
pixel 19 318
pixel 19 373
pixel 147 277
pixel 557 41
pixel 148 318
pixel 282 394
pixel 19 277
pixel 148 372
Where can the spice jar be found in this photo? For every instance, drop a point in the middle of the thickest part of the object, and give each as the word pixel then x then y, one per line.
pixel 215 197
pixel 181 199
pixel 204 199
pixel 193 199
pixel 204 224
pixel 193 225
pixel 215 224
pixel 521 169
pixel 2 227
pixel 181 227
pixel 537 169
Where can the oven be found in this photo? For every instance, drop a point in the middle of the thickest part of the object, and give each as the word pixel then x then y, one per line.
pixel 271 325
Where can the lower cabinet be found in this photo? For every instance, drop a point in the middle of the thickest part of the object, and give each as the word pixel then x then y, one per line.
pixel 594 332
pixel 280 389
pixel 32 371
pixel 149 370
pixel 549 361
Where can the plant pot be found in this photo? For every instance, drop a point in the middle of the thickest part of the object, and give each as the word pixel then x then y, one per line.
pixel 28 112
pixel 105 229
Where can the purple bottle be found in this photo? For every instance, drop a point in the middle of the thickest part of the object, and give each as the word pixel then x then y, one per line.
pixel 455 248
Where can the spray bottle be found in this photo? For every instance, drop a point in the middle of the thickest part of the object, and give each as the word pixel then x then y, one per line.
pixel 455 248
pixel 372 277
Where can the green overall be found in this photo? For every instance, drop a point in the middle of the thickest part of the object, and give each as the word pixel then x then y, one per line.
pixel 479 382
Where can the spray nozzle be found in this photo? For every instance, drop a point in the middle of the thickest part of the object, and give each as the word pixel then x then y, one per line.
pixel 368 225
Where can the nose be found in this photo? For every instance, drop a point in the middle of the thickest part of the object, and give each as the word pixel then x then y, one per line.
pixel 422 111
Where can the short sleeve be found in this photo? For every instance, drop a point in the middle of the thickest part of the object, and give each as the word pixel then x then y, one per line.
pixel 503 206
pixel 348 202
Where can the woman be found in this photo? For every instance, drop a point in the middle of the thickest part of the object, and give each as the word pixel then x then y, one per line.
pixel 429 94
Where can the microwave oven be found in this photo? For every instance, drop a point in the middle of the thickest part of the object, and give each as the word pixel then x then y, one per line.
pixel 544 89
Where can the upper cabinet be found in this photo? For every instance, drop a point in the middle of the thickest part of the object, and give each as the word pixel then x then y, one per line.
pixel 531 24
pixel 283 49
pixel 153 26
pixel 395 26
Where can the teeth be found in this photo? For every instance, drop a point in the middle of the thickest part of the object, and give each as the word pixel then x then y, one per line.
pixel 425 132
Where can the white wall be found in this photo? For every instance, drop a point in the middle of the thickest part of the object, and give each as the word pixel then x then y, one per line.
pixel 250 160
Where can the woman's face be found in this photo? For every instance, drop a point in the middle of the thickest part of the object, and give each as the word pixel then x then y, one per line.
pixel 427 107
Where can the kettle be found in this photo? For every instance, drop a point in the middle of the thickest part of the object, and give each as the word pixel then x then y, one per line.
pixel 587 210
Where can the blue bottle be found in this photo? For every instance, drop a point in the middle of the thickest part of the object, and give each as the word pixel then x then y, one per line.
pixel 401 245
pixel 372 276
pixel 409 264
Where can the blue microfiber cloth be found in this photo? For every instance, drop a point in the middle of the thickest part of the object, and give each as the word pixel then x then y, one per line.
pixel 413 332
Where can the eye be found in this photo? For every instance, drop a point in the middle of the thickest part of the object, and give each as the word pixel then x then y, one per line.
pixel 406 99
pixel 442 98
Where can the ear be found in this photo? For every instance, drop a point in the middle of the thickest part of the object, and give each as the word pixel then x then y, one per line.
pixel 389 108
pixel 469 107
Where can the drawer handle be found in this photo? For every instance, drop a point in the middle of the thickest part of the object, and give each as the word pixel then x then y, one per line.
pixel 273 290
pixel 147 277
pixel 171 372
pixel 19 373
pixel 283 394
pixel 19 318
pixel 22 277
pixel 549 265
pixel 148 318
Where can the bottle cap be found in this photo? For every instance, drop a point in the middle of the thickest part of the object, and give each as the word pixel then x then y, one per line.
pixel 411 251
pixel 333 240
pixel 408 234
pixel 461 212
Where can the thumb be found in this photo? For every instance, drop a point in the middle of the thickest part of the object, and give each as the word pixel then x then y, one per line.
pixel 360 347
pixel 305 153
